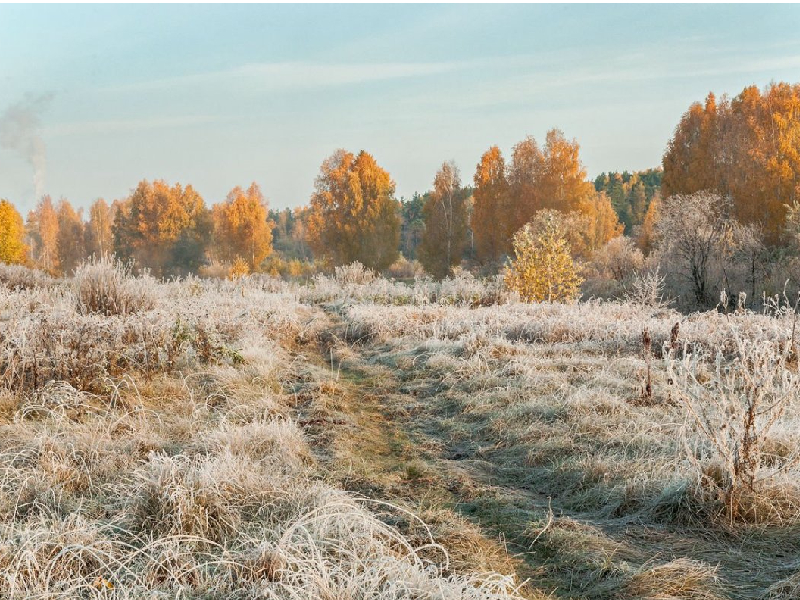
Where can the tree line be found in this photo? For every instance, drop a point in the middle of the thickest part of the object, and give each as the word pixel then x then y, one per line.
pixel 352 215
pixel 744 150
pixel 166 229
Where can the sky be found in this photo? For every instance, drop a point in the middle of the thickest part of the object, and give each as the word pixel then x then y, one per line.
pixel 95 98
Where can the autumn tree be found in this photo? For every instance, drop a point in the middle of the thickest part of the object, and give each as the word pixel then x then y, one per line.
pixel 562 184
pixel 242 228
pixel 98 233
pixel 163 228
pixel 354 216
pixel 689 162
pixel 550 177
pixel 71 249
pixel 43 233
pixel 445 214
pixel 746 148
pixel 490 218
pixel 597 223
pixel 646 238
pixel 543 268
pixel 524 182
pixel 12 234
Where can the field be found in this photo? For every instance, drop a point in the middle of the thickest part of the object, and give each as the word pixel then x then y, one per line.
pixel 353 437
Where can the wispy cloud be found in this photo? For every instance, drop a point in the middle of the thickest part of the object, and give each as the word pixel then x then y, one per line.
pixel 295 75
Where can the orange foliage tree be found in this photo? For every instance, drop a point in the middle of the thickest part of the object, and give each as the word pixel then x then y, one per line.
pixel 242 228
pixel 163 228
pixel 353 213
pixel 491 222
pixel 747 148
pixel 524 178
pixel 550 177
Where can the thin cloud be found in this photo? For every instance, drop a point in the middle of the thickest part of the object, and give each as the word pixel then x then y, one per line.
pixel 296 75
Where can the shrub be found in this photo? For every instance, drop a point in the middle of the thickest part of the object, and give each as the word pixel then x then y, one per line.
pixel 618 259
pixel 543 269
pixel 403 268
pixel 735 409
pixel 238 269
pixel 354 273
pixel 647 289
pixel 18 277
pixel 291 268
pixel 105 286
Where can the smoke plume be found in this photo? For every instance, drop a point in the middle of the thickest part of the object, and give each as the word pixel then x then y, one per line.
pixel 19 131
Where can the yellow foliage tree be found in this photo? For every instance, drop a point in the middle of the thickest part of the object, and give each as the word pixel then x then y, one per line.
pixel 12 233
pixel 562 184
pixel 353 213
pixel 543 269
pixel 599 221
pixel 242 228
pixel 99 240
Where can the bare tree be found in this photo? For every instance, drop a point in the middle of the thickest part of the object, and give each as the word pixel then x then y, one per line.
pixel 693 231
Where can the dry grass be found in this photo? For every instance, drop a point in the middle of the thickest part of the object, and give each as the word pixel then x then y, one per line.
pixel 680 578
pixel 181 438
pixel 149 448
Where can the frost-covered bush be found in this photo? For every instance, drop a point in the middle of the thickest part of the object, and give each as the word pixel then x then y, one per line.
pixel 106 286
pixel 18 277
pixel 646 288
pixel 746 456
pixel 354 273
pixel 619 259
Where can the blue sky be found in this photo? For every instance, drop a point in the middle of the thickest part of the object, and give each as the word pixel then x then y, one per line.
pixel 222 95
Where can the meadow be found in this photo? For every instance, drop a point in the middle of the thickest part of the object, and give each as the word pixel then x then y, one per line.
pixel 354 437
